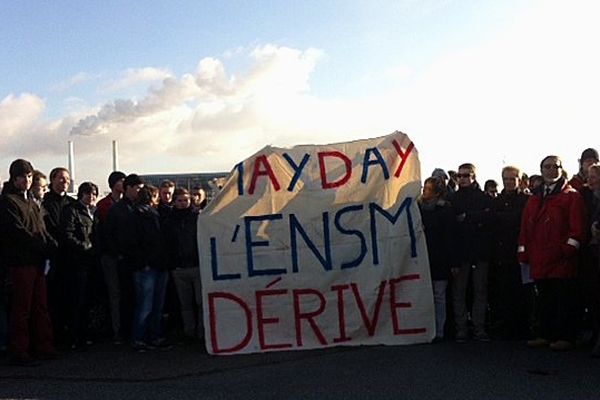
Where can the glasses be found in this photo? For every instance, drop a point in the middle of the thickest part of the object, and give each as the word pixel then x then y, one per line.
pixel 463 175
pixel 551 166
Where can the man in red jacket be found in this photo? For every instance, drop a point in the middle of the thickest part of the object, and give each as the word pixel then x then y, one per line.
pixel 552 229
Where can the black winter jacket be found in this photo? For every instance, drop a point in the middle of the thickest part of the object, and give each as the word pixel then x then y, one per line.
pixel 180 230
pixel 474 234
pixel 120 229
pixel 25 241
pixel 507 210
pixel 149 250
pixel 78 226
pixel 53 205
pixel 440 232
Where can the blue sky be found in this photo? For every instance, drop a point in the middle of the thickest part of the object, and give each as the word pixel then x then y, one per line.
pixel 177 83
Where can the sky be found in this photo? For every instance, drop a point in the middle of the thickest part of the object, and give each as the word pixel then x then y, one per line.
pixel 197 86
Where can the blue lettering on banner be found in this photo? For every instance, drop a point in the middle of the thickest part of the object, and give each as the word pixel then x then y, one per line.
pixel 325 256
pixel 368 162
pixel 355 232
pixel 295 226
pixel 392 218
pixel 264 243
pixel 297 169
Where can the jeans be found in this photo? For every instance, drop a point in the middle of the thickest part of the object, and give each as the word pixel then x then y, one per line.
pixel 150 287
pixel 460 284
pixel 187 282
pixel 439 301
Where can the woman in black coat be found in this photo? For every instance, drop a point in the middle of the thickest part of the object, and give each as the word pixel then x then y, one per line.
pixel 77 222
pixel 439 222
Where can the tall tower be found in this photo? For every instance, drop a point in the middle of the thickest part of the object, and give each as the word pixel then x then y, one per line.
pixel 71 167
pixel 115 156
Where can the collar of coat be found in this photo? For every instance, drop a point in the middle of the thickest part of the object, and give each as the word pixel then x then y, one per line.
pixel 561 186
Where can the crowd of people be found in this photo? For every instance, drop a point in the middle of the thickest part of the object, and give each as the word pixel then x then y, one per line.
pixel 133 253
pixel 522 263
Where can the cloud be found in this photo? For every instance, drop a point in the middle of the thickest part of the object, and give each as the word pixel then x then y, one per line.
pixel 75 80
pixel 529 90
pixel 136 76
pixel 18 115
pixel 24 133
pixel 209 100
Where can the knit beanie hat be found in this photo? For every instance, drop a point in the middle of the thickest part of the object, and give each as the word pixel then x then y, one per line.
pixel 439 173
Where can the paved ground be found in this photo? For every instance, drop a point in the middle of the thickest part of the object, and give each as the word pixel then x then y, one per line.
pixel 497 370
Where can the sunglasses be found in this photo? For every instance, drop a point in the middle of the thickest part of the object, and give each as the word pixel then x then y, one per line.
pixel 463 175
pixel 551 166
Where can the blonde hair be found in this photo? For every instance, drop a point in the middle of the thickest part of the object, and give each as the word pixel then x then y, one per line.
pixel 513 169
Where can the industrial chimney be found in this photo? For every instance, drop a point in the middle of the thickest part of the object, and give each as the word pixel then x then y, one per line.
pixel 71 163
pixel 115 156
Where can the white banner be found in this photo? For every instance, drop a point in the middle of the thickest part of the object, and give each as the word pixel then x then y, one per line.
pixel 317 246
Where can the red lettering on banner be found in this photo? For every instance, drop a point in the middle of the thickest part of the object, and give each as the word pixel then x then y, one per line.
pixel 403 155
pixel 341 314
pixel 309 316
pixel 213 322
pixel 370 324
pixel 394 305
pixel 325 184
pixel 261 321
pixel 268 171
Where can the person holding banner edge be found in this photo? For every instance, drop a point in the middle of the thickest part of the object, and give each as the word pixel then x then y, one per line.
pixel 438 219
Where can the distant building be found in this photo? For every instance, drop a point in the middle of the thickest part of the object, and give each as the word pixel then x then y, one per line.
pixel 206 180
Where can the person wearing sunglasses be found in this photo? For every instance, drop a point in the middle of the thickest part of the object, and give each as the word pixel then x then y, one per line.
pixel 552 230
pixel 473 217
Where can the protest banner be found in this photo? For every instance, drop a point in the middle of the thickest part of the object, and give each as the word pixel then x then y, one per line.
pixel 317 246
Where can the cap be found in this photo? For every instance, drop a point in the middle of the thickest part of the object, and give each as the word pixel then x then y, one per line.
pixel 589 153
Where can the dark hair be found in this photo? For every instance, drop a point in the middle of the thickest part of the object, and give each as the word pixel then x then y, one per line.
pixel 490 183
pixel 145 194
pixel 180 192
pixel 468 166
pixel 55 172
pixel 86 188
pixel 438 185
pixel 547 157
pixel 37 175
pixel 167 184
pixel 132 180
pixel 115 177
pixel 18 168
